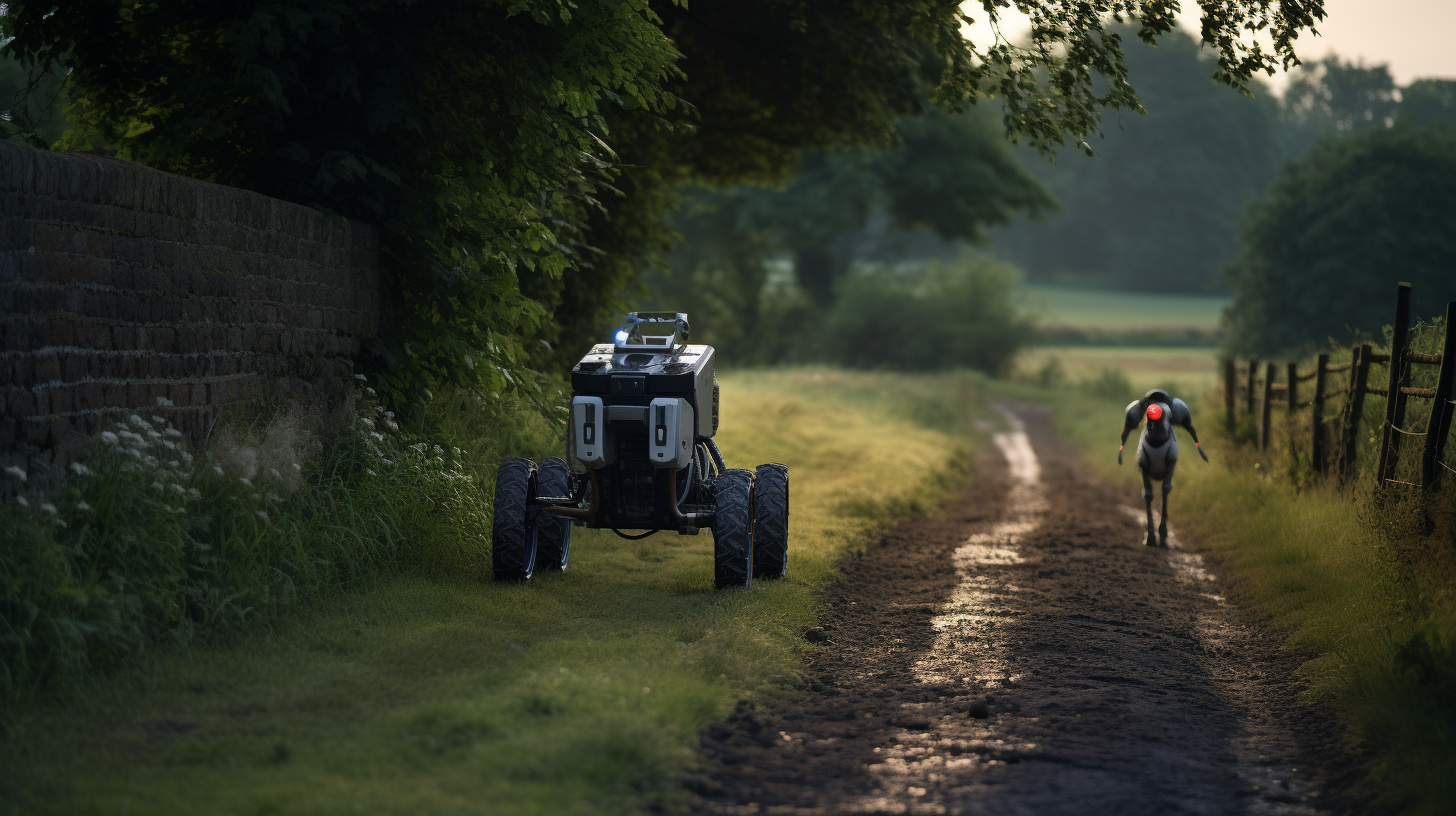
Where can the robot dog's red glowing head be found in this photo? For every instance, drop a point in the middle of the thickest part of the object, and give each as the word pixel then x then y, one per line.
pixel 1155 412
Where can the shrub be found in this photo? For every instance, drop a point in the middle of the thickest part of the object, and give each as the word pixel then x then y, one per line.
pixel 944 315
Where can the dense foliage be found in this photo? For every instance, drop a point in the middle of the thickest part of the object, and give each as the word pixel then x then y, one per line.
pixel 1321 254
pixel 940 316
pixel 148 545
pixel 518 152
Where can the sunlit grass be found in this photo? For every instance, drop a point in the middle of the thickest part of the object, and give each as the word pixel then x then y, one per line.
pixel 1120 311
pixel 1180 369
pixel 575 693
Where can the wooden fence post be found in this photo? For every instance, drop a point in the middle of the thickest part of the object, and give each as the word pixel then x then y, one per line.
pixel 1291 394
pixel 1441 408
pixel 1249 389
pixel 1354 408
pixel 1394 399
pixel 1317 412
pixel 1264 406
pixel 1229 386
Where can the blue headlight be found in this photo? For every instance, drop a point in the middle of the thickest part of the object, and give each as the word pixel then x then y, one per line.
pixel 621 336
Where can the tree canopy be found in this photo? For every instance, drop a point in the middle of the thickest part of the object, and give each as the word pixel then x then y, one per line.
pixel 519 153
pixel 1321 254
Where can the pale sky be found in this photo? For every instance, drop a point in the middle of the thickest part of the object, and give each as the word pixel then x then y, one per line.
pixel 1416 38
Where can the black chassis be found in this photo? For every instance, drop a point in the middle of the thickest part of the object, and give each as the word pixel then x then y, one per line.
pixel 631 493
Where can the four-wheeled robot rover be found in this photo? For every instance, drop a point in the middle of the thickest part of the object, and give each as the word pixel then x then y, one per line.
pixel 644 410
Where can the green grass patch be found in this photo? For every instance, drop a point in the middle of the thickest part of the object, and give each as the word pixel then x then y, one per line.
pixel 438 692
pixel 1070 315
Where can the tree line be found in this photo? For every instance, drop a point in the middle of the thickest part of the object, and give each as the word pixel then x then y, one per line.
pixel 521 155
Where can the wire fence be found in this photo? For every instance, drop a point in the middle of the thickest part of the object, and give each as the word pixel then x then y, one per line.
pixel 1332 437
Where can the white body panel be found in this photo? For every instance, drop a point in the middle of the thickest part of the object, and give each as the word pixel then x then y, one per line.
pixel 590 437
pixel 670 432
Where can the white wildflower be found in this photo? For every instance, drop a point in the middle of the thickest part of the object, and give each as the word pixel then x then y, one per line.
pixel 22 501
pixel 274 473
pixel 48 507
pixel 81 470
pixel 60 523
pixel 359 376
pixel 297 468
pixel 274 497
pixel 153 435
pixel 83 506
pixel 138 421
pixel 156 420
pixel 174 433
pixel 376 436
pixel 186 457
pixel 158 486
pixel 178 489
pixel 257 497
pixel 217 470
pixel 17 471
pixel 194 493
pixel 262 515
pixel 164 402
pixel 366 422
pixel 370 472
pixel 110 438
pixel 245 480
pixel 169 444
pixel 388 462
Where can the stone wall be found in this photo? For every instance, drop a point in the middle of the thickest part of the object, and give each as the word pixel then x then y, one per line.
pixel 128 290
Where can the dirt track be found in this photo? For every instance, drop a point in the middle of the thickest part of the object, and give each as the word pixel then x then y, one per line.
pixel 1022 652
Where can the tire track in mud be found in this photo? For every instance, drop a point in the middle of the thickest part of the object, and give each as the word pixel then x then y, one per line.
pixel 1023 652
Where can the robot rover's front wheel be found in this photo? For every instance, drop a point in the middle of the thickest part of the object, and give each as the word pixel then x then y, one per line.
pixel 770 521
pixel 514 530
pixel 733 530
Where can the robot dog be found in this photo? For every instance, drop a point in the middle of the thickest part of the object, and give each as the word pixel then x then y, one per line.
pixel 1157 453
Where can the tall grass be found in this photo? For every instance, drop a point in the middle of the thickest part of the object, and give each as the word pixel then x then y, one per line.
pixel 147 545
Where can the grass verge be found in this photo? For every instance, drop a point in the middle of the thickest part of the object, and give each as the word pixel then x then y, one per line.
pixel 435 692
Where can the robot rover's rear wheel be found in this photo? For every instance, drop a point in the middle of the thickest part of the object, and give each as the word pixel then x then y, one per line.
pixel 733 530
pixel 770 521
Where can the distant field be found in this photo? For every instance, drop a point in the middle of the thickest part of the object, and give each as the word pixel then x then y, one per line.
pixel 1105 311
pixel 1189 369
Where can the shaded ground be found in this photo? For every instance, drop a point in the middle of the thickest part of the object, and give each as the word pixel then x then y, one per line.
pixel 1022 652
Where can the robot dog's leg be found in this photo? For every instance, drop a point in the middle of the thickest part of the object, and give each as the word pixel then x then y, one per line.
pixel 1152 540
pixel 1163 519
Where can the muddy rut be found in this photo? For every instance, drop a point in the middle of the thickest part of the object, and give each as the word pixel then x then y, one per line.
pixel 1022 652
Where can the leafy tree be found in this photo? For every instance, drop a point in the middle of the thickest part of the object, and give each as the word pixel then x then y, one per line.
pixel 1321 254
pixel 759 266
pixel 1332 97
pixel 31 103
pixel 1429 100
pixel 1156 210
pixel 519 153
